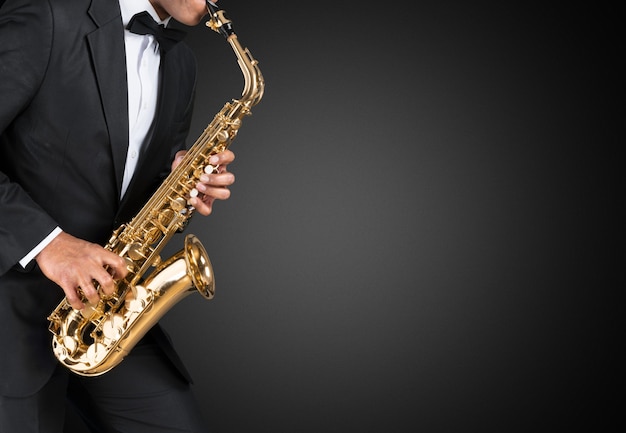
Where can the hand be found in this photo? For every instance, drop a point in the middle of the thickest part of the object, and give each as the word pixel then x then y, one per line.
pixel 73 263
pixel 214 186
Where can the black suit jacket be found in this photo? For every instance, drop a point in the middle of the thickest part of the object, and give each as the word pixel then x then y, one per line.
pixel 63 142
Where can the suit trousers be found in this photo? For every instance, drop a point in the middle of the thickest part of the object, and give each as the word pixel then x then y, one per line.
pixel 145 393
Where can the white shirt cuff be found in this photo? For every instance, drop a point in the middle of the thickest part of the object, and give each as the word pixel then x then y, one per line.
pixel 33 253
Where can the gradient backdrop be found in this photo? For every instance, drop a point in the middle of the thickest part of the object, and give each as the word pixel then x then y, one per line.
pixel 422 235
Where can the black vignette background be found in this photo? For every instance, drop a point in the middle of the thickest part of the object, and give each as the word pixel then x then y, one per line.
pixel 423 234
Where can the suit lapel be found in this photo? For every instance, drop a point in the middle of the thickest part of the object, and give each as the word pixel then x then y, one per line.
pixel 107 50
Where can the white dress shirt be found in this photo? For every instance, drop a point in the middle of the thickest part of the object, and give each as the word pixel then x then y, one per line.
pixel 142 66
pixel 142 72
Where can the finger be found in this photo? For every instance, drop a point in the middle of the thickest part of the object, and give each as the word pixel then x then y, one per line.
pixel 203 207
pixel 117 265
pixel 89 291
pixel 112 267
pixel 222 158
pixel 215 192
pixel 178 158
pixel 105 281
pixel 215 180
pixel 71 295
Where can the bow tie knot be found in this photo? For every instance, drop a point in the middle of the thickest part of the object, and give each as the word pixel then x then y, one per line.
pixel 143 24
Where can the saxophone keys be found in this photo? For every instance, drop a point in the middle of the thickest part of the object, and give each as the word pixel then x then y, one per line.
pixel 139 300
pixel 197 173
pixel 165 217
pixel 235 124
pixel 64 347
pixel 130 264
pixel 135 251
pixel 70 344
pixel 113 327
pixel 222 136
pixel 193 193
pixel 178 204
pixel 95 352
pixel 152 235
pixel 210 169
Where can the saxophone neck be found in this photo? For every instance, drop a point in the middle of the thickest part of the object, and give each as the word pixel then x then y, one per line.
pixel 254 84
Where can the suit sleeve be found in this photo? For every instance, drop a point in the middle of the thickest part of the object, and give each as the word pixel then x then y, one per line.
pixel 25 35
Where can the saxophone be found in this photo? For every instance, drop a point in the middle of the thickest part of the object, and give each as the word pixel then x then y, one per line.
pixel 94 340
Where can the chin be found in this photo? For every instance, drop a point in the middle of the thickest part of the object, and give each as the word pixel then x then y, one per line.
pixel 193 19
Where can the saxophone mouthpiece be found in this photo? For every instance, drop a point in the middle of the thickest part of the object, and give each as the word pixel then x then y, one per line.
pixel 218 21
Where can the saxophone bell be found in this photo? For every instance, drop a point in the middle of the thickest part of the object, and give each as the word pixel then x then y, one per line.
pixel 92 348
pixel 199 267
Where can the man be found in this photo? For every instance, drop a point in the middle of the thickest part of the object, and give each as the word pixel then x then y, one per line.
pixel 92 118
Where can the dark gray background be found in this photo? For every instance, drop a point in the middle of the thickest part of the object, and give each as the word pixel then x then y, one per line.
pixel 422 235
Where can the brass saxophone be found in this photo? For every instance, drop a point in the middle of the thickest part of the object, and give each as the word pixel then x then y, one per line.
pixel 94 340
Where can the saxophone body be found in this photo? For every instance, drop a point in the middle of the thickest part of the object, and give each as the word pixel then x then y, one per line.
pixel 95 339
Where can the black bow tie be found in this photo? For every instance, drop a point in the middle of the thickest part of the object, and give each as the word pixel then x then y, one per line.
pixel 143 24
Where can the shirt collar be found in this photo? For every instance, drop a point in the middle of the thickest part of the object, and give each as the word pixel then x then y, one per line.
pixel 132 7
